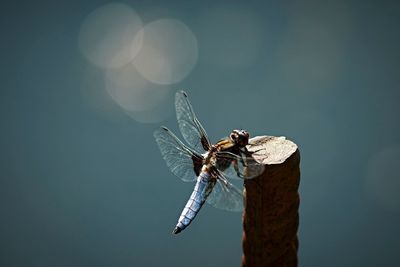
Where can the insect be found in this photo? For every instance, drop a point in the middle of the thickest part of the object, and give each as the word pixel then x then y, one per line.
pixel 209 165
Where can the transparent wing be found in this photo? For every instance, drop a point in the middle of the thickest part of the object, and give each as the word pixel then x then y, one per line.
pixel 226 196
pixel 190 127
pixel 182 161
pixel 238 166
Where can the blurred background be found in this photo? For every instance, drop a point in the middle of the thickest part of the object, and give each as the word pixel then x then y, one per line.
pixel 83 85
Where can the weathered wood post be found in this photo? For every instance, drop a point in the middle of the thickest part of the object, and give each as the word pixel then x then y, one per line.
pixel 270 218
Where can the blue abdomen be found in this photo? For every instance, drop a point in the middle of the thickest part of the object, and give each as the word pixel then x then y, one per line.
pixel 201 190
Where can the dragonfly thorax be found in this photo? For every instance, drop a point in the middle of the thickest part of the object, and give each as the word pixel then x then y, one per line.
pixel 209 156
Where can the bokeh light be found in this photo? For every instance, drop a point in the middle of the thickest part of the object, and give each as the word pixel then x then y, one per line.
pixel 231 36
pixel 382 182
pixel 138 63
pixel 134 93
pixel 169 52
pixel 110 36
pixel 155 115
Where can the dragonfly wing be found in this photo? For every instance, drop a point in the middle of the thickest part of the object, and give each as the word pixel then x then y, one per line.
pixel 225 196
pixel 182 160
pixel 190 127
pixel 238 166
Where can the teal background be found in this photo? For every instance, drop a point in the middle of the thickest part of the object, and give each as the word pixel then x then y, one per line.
pixel 81 186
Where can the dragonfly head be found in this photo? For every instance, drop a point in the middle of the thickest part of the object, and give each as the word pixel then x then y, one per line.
pixel 240 137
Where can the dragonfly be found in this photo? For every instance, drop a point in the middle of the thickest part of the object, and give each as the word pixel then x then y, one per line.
pixel 210 166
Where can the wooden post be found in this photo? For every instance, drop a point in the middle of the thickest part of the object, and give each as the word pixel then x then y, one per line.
pixel 270 218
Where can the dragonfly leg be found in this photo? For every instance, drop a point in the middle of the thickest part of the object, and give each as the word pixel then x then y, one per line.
pixel 236 167
pixel 255 151
pixel 249 153
pixel 223 179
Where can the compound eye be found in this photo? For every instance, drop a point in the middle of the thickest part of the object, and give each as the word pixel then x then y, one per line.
pixel 232 136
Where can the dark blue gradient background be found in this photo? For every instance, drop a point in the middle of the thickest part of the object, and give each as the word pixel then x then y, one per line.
pixel 83 187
